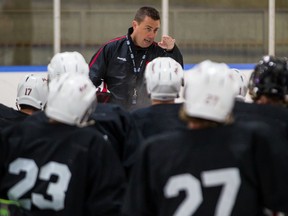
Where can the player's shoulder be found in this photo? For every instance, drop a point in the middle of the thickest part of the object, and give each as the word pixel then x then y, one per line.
pixel 155 110
pixel 243 129
pixel 88 132
pixel 166 139
pixel 18 127
pixel 278 112
pixel 141 113
pixel 11 114
pixel 240 106
pixel 261 109
pixel 166 108
pixel 262 135
pixel 259 115
pixel 5 109
pixel 252 127
pixel 110 108
pixel 111 114
pixel 35 120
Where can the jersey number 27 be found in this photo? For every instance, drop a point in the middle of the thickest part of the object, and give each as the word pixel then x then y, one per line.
pixel 229 178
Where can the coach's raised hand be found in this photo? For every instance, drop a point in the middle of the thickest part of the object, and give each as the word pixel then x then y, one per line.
pixel 167 42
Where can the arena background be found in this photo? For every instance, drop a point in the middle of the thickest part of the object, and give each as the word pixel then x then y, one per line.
pixel 11 75
pixel 237 32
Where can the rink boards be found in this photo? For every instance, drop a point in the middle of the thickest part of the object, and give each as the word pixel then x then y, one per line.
pixel 11 75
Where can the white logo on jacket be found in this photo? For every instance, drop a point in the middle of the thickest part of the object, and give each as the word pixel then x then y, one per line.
pixel 122 59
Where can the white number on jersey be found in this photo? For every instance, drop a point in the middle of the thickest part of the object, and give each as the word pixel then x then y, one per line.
pixel 228 178
pixel 55 190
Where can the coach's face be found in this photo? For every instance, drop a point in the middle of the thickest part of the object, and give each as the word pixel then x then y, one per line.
pixel 145 32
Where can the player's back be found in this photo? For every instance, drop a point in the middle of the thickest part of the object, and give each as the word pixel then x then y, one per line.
pixel 119 127
pixel 230 170
pixel 156 119
pixel 275 116
pixel 68 169
pixel 8 116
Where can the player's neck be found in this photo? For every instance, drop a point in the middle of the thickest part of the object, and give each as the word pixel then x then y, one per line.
pixel 203 124
pixel 155 102
pixel 27 111
pixel 271 101
pixel 52 121
pixel 195 125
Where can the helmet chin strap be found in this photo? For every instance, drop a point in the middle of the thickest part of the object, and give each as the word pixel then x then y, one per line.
pixel 17 106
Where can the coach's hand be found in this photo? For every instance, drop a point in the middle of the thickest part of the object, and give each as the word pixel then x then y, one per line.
pixel 167 43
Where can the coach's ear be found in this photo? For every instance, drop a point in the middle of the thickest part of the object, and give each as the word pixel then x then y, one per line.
pixel 134 24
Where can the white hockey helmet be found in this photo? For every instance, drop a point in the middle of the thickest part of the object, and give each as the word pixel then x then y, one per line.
pixel 242 82
pixel 32 91
pixel 72 62
pixel 164 78
pixel 71 99
pixel 209 91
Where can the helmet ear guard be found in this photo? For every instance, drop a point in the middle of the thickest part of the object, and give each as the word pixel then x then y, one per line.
pixel 71 99
pixel 164 78
pixel 242 83
pixel 182 82
pixel 32 91
pixel 209 91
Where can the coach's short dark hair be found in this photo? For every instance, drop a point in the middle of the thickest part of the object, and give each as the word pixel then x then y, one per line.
pixel 146 11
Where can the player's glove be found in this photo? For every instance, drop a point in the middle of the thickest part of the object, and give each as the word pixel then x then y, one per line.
pixel 103 94
pixel 12 208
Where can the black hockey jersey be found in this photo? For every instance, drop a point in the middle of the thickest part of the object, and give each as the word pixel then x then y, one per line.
pixel 119 127
pixel 274 116
pixel 57 169
pixel 231 170
pixel 156 119
pixel 8 116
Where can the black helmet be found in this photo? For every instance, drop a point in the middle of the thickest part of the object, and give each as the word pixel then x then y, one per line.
pixel 270 77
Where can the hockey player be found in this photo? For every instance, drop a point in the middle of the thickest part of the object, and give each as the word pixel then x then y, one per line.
pixel 214 167
pixel 268 88
pixel 52 164
pixel 119 129
pixel 8 115
pixel 72 62
pixel 268 83
pixel 32 94
pixel 115 123
pixel 164 78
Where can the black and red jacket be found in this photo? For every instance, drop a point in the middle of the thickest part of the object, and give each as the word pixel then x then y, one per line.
pixel 112 64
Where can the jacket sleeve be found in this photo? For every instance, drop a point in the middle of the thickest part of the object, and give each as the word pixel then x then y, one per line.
pixel 98 66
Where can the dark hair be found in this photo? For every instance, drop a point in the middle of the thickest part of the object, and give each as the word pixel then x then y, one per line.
pixel 204 122
pixel 146 11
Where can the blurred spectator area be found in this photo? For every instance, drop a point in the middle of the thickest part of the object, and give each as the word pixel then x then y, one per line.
pixel 220 32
